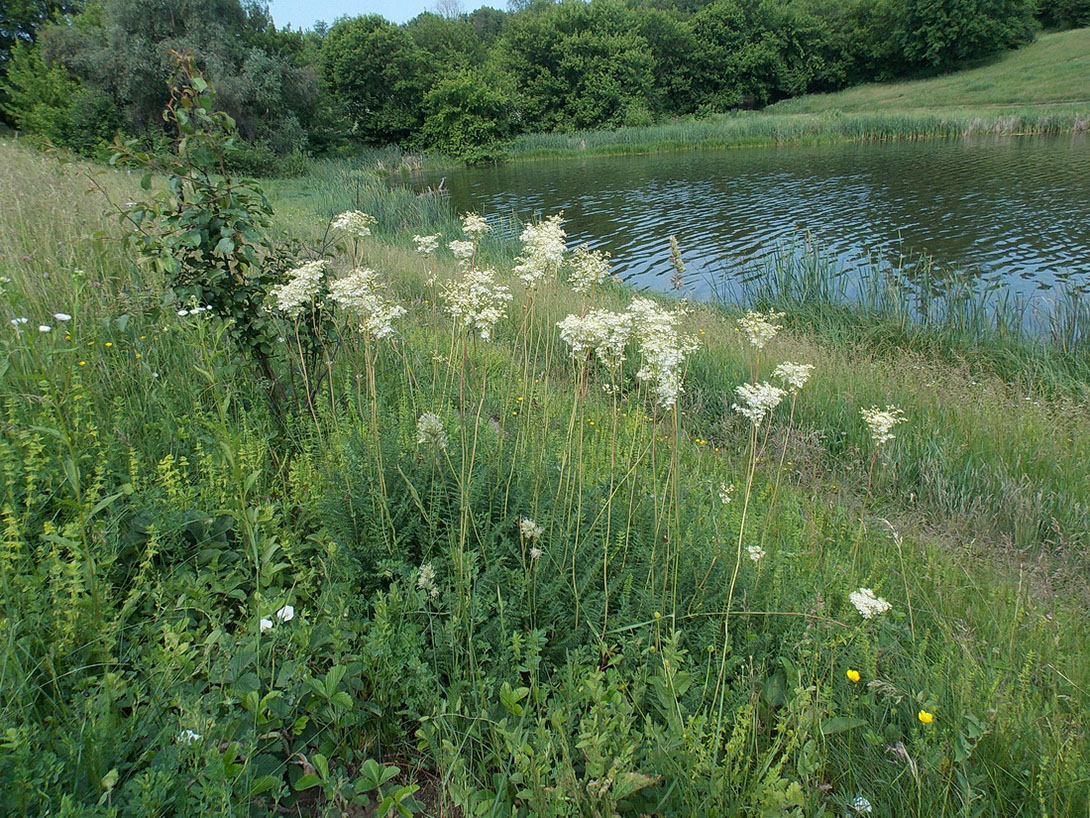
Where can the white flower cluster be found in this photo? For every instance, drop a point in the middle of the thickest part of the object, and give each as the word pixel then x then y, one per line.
pixel 542 250
pixel 356 223
pixel 474 226
pixel 588 267
pixel 303 284
pixel 758 400
pixel 604 332
pixel 426 245
pixel 794 376
pixel 425 580
pixel 477 301
pixel 358 292
pixel 881 422
pixel 463 251
pixel 868 605
pixel 662 347
pixel 430 431
pixel 759 328
pixel 530 531
pixel 188 736
pixel 756 553
pixel 725 493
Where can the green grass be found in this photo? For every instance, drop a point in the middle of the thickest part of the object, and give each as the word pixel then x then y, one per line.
pixel 1039 89
pixel 153 510
pixel 1055 69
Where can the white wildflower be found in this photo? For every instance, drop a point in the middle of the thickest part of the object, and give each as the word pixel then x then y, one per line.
pixel 662 348
pixel 588 267
pixel 604 332
pixel 725 492
pixel 759 328
pixel 476 301
pixel 265 624
pixel 529 530
pixel 286 614
pixel 463 251
pixel 542 250
pixel 298 293
pixel 756 553
pixel 62 316
pixel 474 226
pixel 189 736
pixel 758 400
pixel 359 293
pixel 881 422
pixel 426 245
pixel 794 376
pixel 535 553
pixel 430 431
pixel 425 580
pixel 44 328
pixel 868 605
pixel 356 223
pixel 15 322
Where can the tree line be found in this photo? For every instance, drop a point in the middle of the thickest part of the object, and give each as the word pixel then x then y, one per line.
pixel 78 72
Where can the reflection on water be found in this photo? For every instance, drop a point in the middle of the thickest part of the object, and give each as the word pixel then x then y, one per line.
pixel 1011 208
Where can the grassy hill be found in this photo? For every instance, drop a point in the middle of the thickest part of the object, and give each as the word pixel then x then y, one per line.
pixel 1053 70
pixel 1042 88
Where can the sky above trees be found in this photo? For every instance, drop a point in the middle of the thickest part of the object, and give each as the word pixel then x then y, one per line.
pixel 302 14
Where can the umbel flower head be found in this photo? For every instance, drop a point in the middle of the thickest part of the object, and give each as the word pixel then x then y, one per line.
pixel 474 226
pixel 793 376
pixel 662 348
pixel 756 553
pixel 430 431
pixel 359 293
pixel 355 223
pixel 530 531
pixel 881 422
pixel 757 400
pixel 542 250
pixel 601 331
pixel 588 267
pixel 299 291
pixel 426 245
pixel 463 251
pixel 759 328
pixel 476 301
pixel 868 605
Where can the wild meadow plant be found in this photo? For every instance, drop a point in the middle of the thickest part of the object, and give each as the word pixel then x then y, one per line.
pixel 559 578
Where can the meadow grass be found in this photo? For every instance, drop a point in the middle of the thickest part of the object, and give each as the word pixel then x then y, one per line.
pixel 629 658
pixel 1038 89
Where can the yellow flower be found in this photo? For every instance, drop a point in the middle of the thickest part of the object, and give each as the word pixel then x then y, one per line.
pixel 109 344
pixel 926 717
pixel 853 675
pixel 83 363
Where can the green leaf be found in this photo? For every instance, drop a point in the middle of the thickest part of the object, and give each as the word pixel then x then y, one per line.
pixel 509 699
pixel 840 724
pixel 145 181
pixel 307 781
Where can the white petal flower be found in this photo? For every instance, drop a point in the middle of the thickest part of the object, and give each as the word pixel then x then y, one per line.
pixel 476 301
pixel 542 250
pixel 356 223
pixel 759 328
pixel 529 530
pixel 286 614
pixel 15 322
pixel 359 292
pixel 794 376
pixel 758 400
pixel 474 226
pixel 604 332
pixel 189 736
pixel 299 291
pixel 44 328
pixel 868 605
pixel 266 624
pixel 426 245
pixel 662 348
pixel 881 422
pixel 535 553
pixel 756 553
pixel 588 267
pixel 62 316
pixel 430 431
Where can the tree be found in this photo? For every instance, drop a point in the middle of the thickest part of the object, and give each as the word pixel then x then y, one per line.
pixel 466 117
pixel 377 70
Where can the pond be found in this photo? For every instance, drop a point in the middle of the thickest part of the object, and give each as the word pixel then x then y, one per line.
pixel 1015 209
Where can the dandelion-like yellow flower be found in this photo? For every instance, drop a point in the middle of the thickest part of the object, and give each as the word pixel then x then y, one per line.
pixel 853 675
pixel 925 717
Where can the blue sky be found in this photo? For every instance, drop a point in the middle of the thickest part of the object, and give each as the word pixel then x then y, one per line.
pixel 303 13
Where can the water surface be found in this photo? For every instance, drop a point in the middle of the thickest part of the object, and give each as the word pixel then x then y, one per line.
pixel 1014 208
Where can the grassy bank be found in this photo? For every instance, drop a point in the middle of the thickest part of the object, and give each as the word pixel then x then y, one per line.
pixel 1039 89
pixel 423 644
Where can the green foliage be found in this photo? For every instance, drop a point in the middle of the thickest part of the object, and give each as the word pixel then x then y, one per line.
pixel 208 233
pixel 377 71
pixel 466 119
